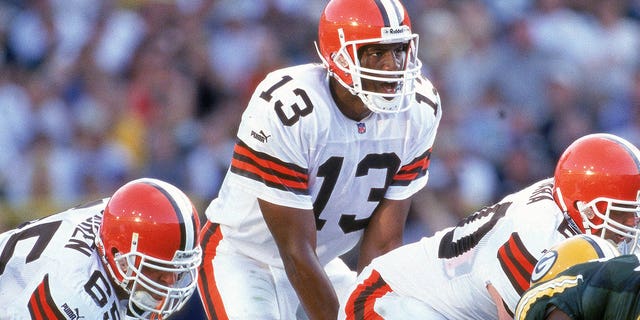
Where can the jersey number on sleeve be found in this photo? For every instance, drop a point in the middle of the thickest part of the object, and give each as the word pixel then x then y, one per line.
pixel 97 287
pixel 468 233
pixel 44 232
pixel 278 105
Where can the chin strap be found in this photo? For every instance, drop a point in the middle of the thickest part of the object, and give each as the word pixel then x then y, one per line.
pixel 572 224
pixel 136 313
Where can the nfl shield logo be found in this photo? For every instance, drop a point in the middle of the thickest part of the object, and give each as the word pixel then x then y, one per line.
pixel 361 128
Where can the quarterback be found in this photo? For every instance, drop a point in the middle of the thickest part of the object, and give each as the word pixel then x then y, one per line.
pixel 327 155
pixel 479 268
pixel 134 255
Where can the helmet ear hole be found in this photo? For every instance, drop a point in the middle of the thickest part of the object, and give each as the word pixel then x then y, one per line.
pixel 576 205
pixel 122 263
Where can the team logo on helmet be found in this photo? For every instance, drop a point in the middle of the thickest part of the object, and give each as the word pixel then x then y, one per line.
pixel 544 265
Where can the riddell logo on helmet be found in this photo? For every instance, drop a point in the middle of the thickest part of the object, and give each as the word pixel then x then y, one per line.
pixel 181 255
pixel 395 31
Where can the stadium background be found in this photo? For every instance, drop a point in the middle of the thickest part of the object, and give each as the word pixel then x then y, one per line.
pixel 95 93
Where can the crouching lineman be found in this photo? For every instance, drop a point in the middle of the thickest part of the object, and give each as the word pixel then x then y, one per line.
pixel 480 268
pixel 134 255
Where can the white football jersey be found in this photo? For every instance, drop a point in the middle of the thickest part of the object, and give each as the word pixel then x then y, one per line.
pixel 295 148
pixel 499 244
pixel 49 269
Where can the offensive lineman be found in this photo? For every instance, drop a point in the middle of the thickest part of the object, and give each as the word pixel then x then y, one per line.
pixel 327 155
pixel 134 255
pixel 480 268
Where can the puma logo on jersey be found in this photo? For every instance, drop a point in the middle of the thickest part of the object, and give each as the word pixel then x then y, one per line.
pixel 71 313
pixel 262 137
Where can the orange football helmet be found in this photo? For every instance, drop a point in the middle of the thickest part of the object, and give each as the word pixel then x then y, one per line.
pixel 150 227
pixel 597 184
pixel 346 26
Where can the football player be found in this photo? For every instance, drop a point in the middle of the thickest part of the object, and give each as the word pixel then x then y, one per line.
pixel 586 285
pixel 134 255
pixel 479 268
pixel 327 155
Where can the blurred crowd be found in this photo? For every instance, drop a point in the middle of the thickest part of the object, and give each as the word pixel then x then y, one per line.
pixel 95 93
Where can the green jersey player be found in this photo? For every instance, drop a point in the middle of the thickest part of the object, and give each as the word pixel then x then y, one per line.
pixel 593 290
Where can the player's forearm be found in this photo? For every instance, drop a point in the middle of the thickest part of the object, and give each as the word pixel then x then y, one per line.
pixel 372 249
pixel 318 302
pixel 313 288
pixel 497 299
pixel 376 243
pixel 384 231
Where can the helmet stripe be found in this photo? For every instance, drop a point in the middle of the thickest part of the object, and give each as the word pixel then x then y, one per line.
pixel 183 209
pixel 595 246
pixel 631 149
pixel 391 11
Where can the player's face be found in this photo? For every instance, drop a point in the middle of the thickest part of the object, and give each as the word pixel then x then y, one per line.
pixel 165 278
pixel 386 57
pixel 625 218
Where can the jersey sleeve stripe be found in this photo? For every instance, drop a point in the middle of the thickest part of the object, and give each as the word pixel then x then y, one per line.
pixel 267 161
pixel 209 294
pixel 41 304
pixel 517 263
pixel 362 300
pixel 412 171
pixel 269 170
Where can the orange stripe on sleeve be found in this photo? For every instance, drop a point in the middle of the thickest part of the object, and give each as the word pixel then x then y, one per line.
pixel 245 151
pixel 266 176
pixel 211 300
pixel 360 305
pixel 41 304
pixel 417 168
pixel 269 170
pixel 517 262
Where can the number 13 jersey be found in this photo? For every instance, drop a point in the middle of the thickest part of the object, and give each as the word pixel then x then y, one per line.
pixel 295 148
